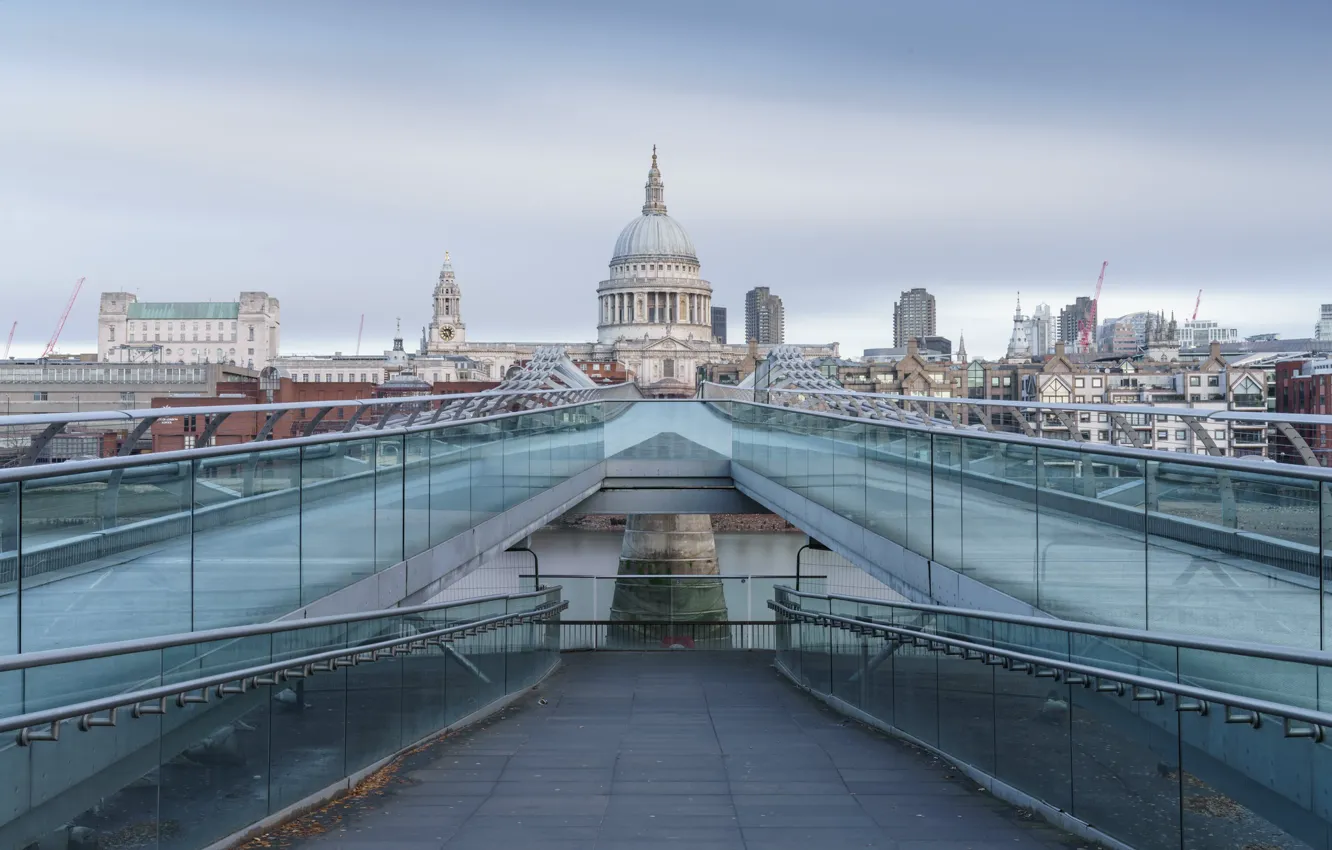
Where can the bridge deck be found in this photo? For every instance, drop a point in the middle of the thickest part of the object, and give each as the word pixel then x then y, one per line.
pixel 699 750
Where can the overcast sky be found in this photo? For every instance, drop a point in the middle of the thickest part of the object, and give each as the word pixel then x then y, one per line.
pixel 838 152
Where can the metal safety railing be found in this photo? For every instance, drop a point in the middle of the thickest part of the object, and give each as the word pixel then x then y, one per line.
pixel 235 725
pixel 1123 750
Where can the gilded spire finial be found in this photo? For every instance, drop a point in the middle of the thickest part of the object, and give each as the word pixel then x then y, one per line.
pixel 446 256
pixel 654 156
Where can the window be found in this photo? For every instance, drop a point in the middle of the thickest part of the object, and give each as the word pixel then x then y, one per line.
pixel 208 326
pixel 316 374
pixel 157 337
pixel 1102 417
pixel 129 396
pixel 1179 435
pixel 1213 381
pixel 340 377
pixel 1162 435
pixel 189 441
pixel 994 382
pixel 1080 399
pixel 249 351
pixel 305 376
pixel 1195 381
pixel 1220 435
pixel 1086 435
pixel 1084 416
pixel 363 378
pixel 1008 381
pixel 1079 382
pixel 329 377
pixel 252 335
pixel 112 332
pixel 40 395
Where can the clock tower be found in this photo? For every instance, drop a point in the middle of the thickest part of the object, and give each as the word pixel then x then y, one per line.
pixel 446 329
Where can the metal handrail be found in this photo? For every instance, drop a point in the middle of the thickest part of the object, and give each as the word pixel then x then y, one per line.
pixel 1142 688
pixel 47 657
pixel 1252 650
pixel 1276 470
pixel 153 700
pixel 1154 410
pixel 158 412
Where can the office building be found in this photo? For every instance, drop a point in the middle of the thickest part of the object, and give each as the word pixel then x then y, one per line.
pixel 719 325
pixel 244 333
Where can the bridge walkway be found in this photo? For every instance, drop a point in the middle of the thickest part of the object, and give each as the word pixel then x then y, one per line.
pixel 706 750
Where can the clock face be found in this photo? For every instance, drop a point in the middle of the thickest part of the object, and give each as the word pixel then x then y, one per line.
pixel 446 333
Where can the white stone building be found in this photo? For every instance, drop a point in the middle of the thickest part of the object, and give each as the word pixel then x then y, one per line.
pixel 242 333
pixel 654 315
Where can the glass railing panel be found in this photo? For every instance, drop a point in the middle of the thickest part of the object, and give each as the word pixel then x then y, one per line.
pixel 9 573
pixel 375 693
pixel 308 719
pixel 1261 794
pixel 484 470
pixel 919 494
pixel 998 516
pixel 390 504
pixel 452 473
pixel 682 430
pixel 950 514
pixel 1233 554
pixel 416 492
pixel 1033 745
pixel 848 446
pixel 966 694
pixel 797 453
pixel 1125 763
pixel 214 777
pixel 254 497
pixel 886 482
pixel 1093 563
pixel 523 444
pixel 916 686
pixel 337 516
pixel 821 436
pixel 89 543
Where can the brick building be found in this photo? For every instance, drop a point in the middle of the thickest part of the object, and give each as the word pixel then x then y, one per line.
pixel 1304 385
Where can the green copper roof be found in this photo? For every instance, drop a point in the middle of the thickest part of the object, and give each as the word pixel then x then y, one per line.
pixel 184 310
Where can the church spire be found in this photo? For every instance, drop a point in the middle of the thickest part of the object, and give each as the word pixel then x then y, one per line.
pixel 655 203
pixel 961 346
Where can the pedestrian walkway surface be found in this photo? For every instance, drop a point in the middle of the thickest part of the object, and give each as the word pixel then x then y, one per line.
pixel 706 751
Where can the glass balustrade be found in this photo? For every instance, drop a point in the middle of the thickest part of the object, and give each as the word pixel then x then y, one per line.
pixel 200 772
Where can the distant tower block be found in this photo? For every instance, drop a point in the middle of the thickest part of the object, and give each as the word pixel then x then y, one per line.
pixel 668 574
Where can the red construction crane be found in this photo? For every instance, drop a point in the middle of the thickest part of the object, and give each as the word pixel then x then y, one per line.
pixel 55 337
pixel 360 331
pixel 1087 324
pixel 9 342
pixel 1195 307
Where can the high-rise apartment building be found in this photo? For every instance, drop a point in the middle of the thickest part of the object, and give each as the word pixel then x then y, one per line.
pixel 913 317
pixel 1071 316
pixel 765 322
pixel 719 325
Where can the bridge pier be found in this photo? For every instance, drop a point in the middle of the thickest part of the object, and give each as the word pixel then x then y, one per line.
pixel 668 574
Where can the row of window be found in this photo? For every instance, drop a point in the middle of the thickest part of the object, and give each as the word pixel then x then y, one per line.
pixel 157 337
pixel 665 267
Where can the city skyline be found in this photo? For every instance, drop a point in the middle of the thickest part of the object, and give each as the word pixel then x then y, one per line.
pixel 158 150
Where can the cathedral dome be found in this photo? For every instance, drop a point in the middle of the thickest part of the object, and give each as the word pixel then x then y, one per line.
pixel 654 234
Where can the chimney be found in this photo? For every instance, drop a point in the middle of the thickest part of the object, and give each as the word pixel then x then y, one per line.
pixel 1215 350
pixel 1059 349
pixel 913 347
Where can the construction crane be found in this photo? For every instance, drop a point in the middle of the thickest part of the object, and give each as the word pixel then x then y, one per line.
pixel 10 342
pixel 1087 324
pixel 1196 304
pixel 55 337
pixel 360 331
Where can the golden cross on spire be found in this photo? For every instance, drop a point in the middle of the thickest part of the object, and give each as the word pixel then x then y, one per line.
pixel 654 156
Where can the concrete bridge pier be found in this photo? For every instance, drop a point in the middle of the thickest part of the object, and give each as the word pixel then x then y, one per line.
pixel 668 573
